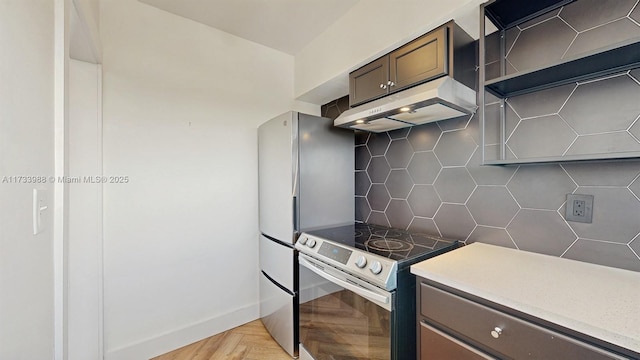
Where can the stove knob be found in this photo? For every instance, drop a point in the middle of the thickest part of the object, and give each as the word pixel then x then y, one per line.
pixel 376 267
pixel 361 262
pixel 311 243
pixel 302 240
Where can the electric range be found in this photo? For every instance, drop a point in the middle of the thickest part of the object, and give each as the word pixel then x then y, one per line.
pixel 365 268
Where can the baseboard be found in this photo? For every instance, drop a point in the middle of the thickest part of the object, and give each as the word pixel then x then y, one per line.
pixel 164 343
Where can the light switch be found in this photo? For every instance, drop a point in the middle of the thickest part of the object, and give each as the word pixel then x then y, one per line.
pixel 39 206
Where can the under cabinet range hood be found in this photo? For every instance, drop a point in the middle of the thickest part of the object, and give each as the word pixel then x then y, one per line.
pixel 439 99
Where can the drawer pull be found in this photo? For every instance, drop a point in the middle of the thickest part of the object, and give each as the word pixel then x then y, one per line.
pixel 496 332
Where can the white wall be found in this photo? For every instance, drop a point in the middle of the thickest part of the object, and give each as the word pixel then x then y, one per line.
pixel 368 30
pixel 181 106
pixel 26 149
pixel 85 213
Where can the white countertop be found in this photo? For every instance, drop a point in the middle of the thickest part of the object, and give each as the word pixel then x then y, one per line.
pixel 599 301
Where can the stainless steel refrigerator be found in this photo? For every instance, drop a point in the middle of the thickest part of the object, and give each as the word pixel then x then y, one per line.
pixel 306 181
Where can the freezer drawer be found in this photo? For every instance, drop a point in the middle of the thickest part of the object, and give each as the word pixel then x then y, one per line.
pixel 278 261
pixel 277 314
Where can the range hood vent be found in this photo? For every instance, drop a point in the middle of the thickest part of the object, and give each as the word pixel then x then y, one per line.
pixel 439 99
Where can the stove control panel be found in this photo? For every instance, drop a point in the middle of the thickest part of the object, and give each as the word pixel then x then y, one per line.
pixel 373 268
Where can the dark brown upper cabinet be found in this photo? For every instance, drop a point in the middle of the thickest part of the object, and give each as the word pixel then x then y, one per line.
pixel 369 82
pixel 420 60
pixel 447 50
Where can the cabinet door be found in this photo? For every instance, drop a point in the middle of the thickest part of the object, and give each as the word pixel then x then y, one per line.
pixel 420 60
pixel 436 345
pixel 369 82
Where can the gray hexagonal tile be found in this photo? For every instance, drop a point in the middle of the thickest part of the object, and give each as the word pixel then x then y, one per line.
pixel 531 137
pixel 362 157
pixel 635 187
pixel 635 129
pixel 539 19
pixel 619 173
pixel 362 209
pixel 492 47
pixel 455 148
pixel 474 127
pixel 399 154
pixel 635 245
pixel 361 137
pixel 511 121
pixel 378 197
pixel 541 186
pixel 378 169
pixel 541 231
pixel 535 46
pixel 604 253
pixel 539 103
pixel 424 167
pixel 399 214
pixel 424 226
pixel 635 73
pixel 604 35
pixel 492 206
pixel 378 218
pixel 399 133
pixel 378 143
pixel 424 201
pixel 614 142
pixel 457 123
pixel 424 137
pixel 635 14
pixel 615 109
pixel 454 185
pixel 492 124
pixel 587 14
pixel 490 235
pixel 489 175
pixel 511 36
pixel 615 215
pixel 454 221
pixel 399 184
pixel 362 183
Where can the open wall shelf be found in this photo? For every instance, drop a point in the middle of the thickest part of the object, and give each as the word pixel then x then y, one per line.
pixel 602 62
pixel 595 64
pixel 506 14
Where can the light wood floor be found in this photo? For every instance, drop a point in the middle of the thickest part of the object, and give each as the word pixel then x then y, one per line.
pixel 247 342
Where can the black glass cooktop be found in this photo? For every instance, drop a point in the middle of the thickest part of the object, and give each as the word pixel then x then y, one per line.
pixel 405 247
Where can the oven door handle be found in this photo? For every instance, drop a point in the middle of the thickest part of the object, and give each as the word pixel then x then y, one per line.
pixel 382 300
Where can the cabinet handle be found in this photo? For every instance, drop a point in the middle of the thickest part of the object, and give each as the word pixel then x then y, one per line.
pixel 383 86
pixel 391 83
pixel 496 332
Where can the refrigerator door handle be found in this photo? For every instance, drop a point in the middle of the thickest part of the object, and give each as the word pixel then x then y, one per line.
pixel 295 214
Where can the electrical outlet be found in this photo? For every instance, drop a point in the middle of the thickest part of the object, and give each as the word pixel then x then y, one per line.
pixel 579 208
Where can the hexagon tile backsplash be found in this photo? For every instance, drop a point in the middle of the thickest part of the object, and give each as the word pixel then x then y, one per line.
pixel 589 117
pixel 442 189
pixel 429 179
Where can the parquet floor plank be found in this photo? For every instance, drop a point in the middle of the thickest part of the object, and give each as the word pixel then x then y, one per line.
pixel 250 341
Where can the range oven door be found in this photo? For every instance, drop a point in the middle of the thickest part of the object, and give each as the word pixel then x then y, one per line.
pixel 341 316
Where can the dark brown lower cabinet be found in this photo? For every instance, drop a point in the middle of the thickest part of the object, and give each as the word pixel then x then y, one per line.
pixel 454 327
pixel 437 345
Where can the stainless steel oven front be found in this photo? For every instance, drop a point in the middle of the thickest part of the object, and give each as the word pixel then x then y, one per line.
pixel 341 315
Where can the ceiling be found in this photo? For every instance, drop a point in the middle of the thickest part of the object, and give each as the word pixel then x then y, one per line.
pixel 285 25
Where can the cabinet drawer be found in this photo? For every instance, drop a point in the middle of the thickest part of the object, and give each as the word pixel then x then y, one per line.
pixel 423 59
pixel 514 338
pixel 369 82
pixel 436 345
